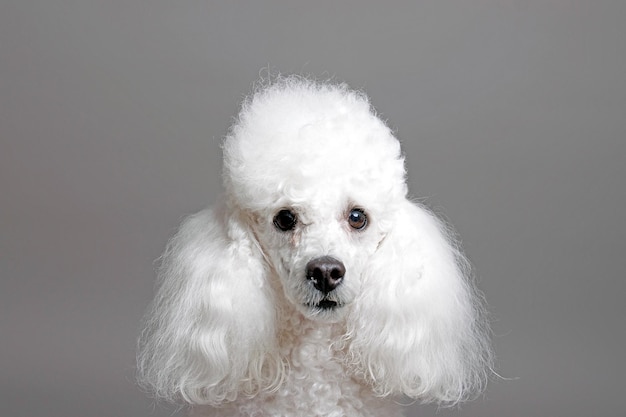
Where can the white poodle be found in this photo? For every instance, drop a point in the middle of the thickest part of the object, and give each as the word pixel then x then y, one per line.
pixel 317 288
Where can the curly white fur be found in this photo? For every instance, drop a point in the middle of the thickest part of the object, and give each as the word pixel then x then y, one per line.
pixel 238 329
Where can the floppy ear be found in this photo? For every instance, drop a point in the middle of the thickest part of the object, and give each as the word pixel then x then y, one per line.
pixel 209 333
pixel 418 328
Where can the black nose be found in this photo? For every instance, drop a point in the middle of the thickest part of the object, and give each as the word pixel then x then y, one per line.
pixel 326 273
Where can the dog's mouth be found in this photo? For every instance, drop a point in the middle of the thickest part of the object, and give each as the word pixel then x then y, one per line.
pixel 325 305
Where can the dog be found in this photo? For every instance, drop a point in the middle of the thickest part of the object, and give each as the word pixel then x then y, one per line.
pixel 316 287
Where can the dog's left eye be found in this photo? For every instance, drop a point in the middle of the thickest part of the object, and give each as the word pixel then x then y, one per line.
pixel 357 219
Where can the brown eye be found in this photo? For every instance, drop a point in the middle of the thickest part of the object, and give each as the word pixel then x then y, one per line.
pixel 357 219
pixel 285 220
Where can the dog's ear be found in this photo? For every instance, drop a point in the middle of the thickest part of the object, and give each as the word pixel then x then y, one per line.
pixel 418 328
pixel 209 334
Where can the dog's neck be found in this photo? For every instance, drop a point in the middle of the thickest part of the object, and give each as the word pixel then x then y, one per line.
pixel 297 331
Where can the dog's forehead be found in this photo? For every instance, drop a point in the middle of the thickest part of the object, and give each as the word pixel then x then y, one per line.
pixel 327 197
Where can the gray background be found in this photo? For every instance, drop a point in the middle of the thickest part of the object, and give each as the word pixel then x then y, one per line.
pixel 512 116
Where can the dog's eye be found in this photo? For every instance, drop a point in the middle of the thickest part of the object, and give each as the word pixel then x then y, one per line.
pixel 285 220
pixel 357 219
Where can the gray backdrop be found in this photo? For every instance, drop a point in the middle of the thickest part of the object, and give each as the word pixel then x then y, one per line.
pixel 512 116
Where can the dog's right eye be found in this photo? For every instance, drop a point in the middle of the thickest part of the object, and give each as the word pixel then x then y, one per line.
pixel 285 220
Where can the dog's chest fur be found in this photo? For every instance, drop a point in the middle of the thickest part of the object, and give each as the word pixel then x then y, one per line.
pixel 316 382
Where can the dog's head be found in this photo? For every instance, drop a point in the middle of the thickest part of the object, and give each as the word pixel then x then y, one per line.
pixel 317 173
